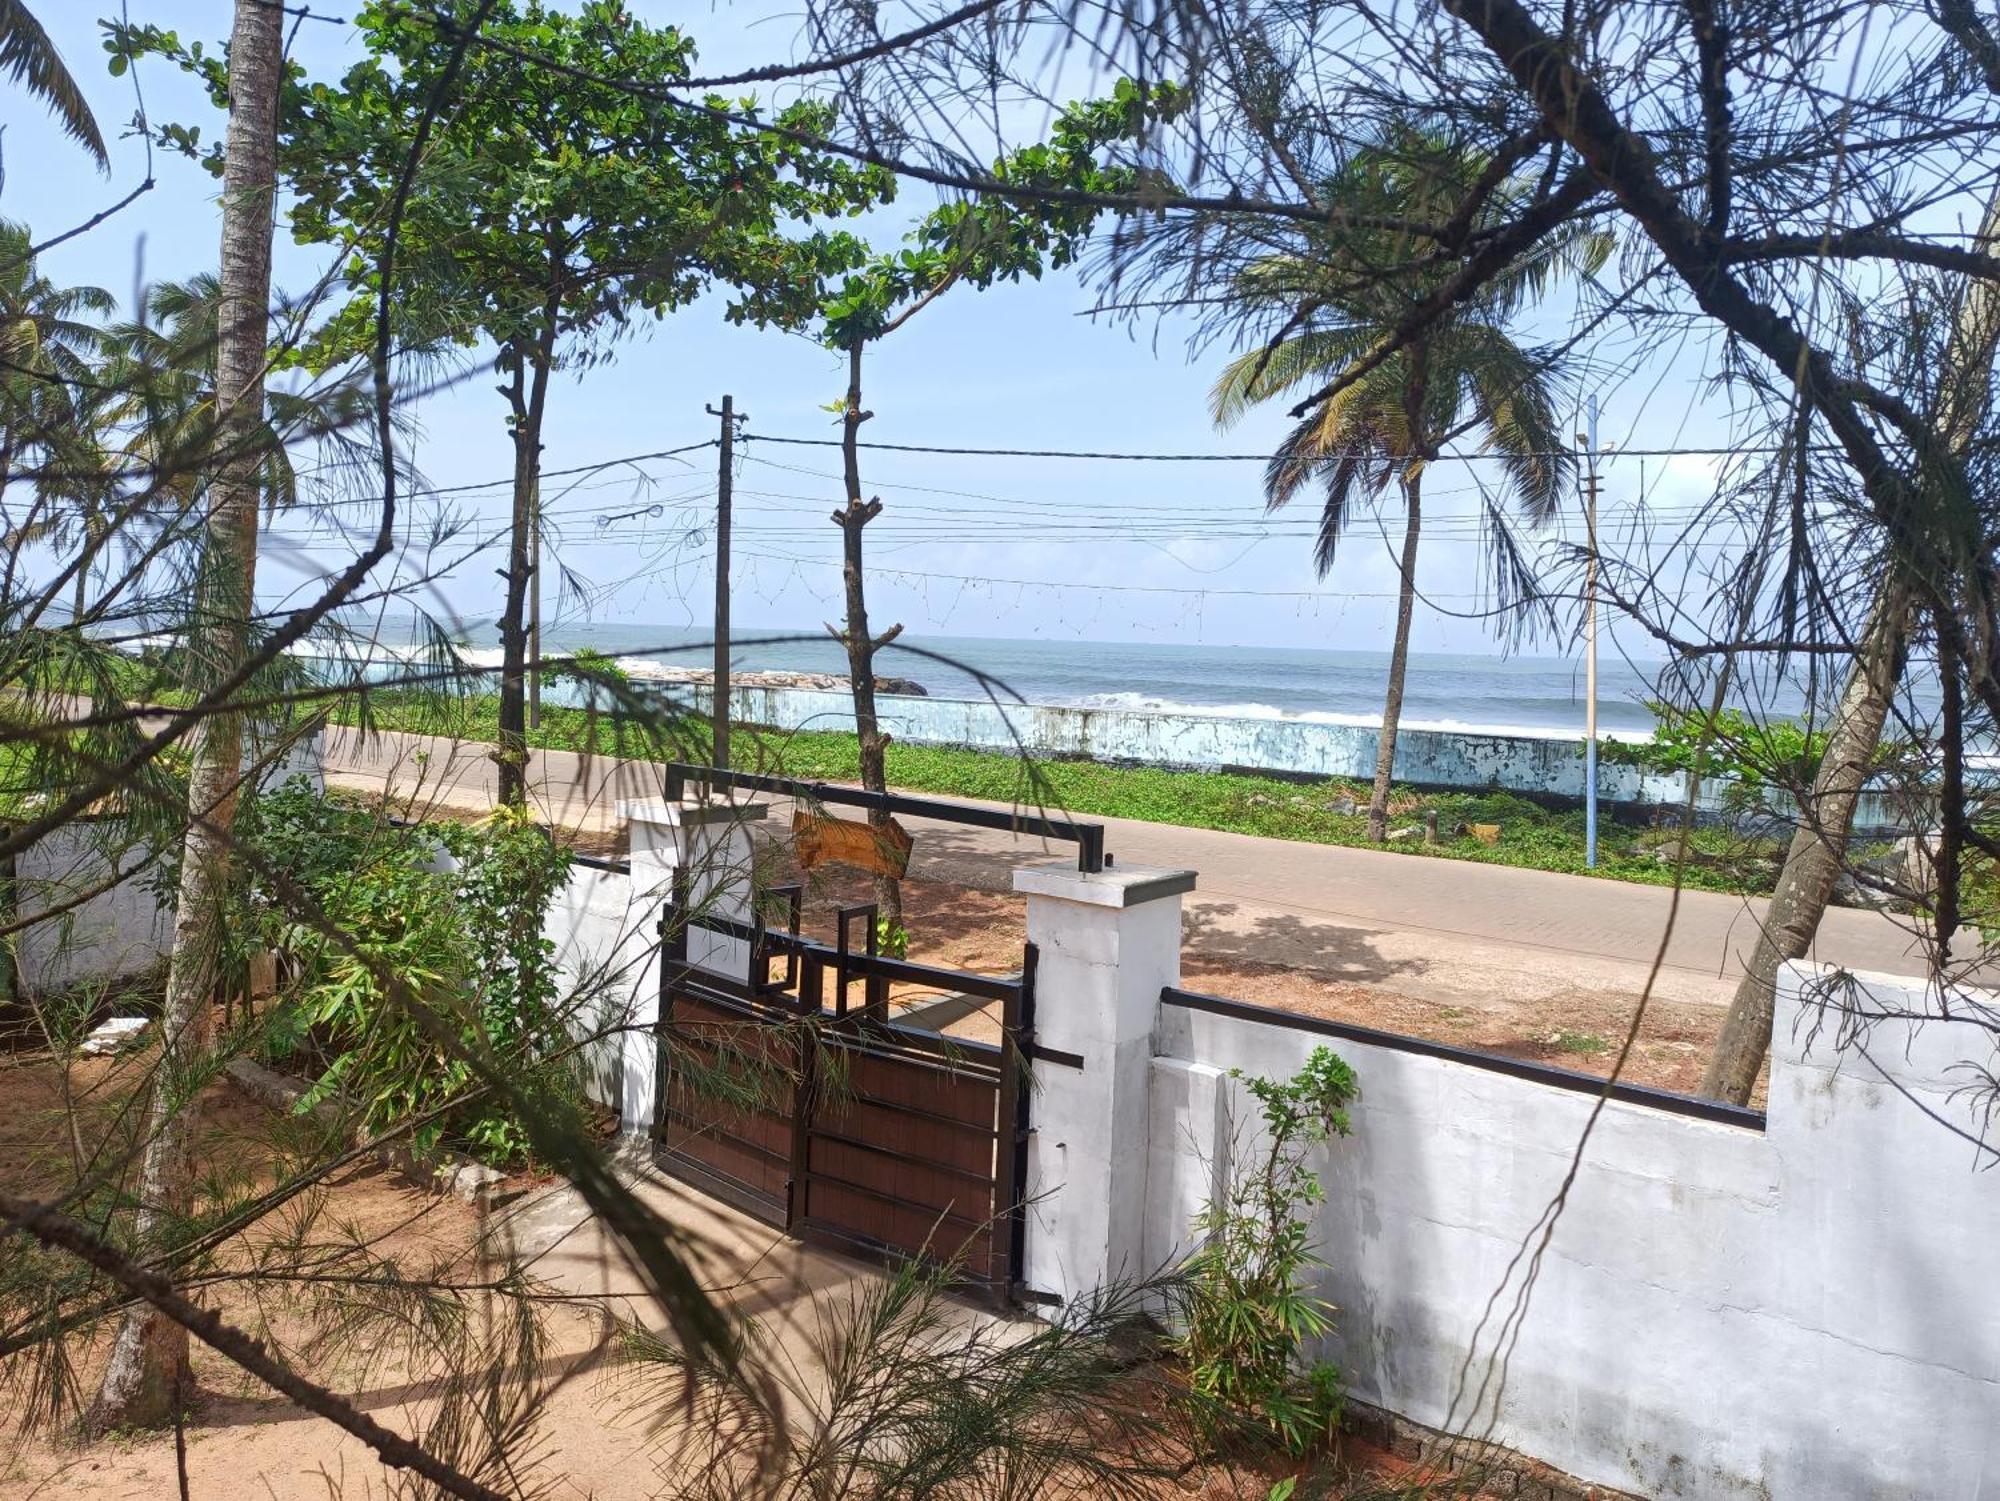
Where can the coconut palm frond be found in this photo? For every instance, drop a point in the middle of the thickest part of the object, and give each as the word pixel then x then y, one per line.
pixel 1260 374
pixel 29 58
pixel 1522 608
pixel 1516 394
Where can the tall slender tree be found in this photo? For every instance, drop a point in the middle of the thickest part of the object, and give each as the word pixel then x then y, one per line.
pixel 973 242
pixel 549 211
pixel 146 1379
pixel 1339 301
pixel 1817 854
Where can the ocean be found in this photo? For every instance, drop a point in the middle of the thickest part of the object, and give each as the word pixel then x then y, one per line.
pixel 1490 694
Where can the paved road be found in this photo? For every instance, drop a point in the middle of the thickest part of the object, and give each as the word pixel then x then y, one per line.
pixel 1445 930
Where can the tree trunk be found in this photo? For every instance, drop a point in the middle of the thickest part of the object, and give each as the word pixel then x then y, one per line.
pixel 1399 659
pixel 528 395
pixel 147 1378
pixel 860 644
pixel 1813 863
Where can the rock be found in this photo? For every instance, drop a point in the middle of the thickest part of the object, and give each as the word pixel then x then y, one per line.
pixel 1848 892
pixel 1347 807
pixel 1397 836
pixel 115 1035
pixel 1667 850
pixel 824 682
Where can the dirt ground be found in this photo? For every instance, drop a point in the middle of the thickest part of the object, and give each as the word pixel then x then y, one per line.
pixel 596 1425
pixel 957 927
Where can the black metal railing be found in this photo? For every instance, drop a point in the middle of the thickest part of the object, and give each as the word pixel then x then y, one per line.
pixel 1493 1063
pixel 1088 837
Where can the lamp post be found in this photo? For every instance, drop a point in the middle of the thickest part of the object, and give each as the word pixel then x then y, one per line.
pixel 1589 440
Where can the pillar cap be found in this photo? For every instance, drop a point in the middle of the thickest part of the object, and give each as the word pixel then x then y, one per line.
pixel 1126 886
pixel 692 813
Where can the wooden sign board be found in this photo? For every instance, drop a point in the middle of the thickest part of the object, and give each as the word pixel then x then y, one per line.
pixel 821 840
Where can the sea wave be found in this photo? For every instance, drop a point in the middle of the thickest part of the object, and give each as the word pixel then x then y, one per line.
pixel 1145 703
pixel 383 657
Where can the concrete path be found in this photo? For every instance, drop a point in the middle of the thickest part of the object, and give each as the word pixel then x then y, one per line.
pixel 1451 931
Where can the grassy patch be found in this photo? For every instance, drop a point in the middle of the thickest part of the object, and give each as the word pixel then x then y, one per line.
pixel 1531 836
pixel 1579 1044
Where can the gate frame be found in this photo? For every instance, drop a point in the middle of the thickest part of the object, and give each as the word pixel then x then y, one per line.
pixel 808 965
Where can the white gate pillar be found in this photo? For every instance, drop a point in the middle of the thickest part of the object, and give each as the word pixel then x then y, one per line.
pixel 1106 943
pixel 711 840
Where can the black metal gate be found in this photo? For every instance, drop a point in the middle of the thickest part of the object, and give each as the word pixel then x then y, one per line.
pixel 809 1108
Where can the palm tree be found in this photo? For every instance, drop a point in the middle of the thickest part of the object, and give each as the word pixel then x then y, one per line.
pixel 49 341
pixel 146 1378
pixel 1339 301
pixel 31 60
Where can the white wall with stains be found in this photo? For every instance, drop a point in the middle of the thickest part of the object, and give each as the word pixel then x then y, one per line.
pixel 1801 1312
pixel 1550 764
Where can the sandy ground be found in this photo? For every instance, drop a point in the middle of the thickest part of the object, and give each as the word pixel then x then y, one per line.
pixel 598 1425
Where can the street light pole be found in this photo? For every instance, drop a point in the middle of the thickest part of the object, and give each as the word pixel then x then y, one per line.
pixel 1590 640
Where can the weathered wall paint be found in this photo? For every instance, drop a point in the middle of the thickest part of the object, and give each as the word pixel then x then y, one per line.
pixel 1460 760
pixel 1791 1315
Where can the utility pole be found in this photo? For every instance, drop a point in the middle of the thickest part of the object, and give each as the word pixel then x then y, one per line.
pixel 718 687
pixel 535 611
pixel 1590 640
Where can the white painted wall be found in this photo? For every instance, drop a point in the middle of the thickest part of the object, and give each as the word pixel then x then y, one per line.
pixel 115 934
pixel 608 955
pixel 1805 1312
pixel 712 841
pixel 1105 945
pixel 121 932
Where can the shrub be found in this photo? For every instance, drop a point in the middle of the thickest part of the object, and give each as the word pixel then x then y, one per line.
pixel 1248 1311
pixel 455 912
pixel 1753 755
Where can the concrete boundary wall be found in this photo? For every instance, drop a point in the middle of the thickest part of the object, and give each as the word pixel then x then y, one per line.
pixel 128 928
pixel 117 934
pixel 1800 1312
pixel 1447 759
pixel 1787 1308
pixel 607 957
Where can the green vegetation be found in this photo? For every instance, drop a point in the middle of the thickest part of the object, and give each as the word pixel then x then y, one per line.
pixel 1581 1044
pixel 1332 811
pixel 464 932
pixel 1247 1313
pixel 1754 756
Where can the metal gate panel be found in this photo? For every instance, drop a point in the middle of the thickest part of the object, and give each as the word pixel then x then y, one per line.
pixel 903 1158
pixel 741 1155
pixel 872 1136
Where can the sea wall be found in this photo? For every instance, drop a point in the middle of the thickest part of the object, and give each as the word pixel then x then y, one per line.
pixel 1549 765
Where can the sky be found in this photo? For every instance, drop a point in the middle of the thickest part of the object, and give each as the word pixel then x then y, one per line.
pixel 973 545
